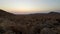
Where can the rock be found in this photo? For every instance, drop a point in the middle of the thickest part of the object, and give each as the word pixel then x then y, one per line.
pixel 47 31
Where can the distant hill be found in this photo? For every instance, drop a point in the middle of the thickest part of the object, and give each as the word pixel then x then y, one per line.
pixel 3 12
pixel 54 13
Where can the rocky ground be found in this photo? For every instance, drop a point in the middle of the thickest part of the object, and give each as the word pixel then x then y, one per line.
pixel 29 24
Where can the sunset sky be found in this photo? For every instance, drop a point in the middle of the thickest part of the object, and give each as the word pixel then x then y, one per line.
pixel 29 6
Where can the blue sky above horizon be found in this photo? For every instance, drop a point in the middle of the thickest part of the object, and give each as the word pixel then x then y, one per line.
pixel 29 6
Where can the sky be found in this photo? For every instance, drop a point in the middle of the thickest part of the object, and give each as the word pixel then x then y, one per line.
pixel 29 6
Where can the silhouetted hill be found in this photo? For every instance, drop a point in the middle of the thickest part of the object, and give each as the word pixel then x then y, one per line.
pixel 54 13
pixel 5 13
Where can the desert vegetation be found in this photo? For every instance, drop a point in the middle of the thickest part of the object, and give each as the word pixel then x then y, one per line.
pixel 29 24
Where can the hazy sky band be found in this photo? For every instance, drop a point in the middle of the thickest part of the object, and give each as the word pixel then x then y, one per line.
pixel 29 5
